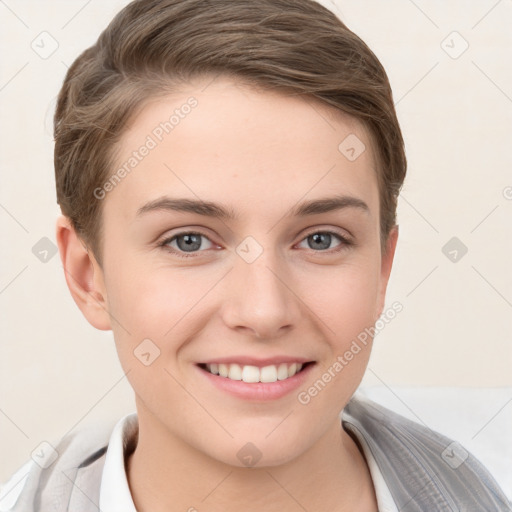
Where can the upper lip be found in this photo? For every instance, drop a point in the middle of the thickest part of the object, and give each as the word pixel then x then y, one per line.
pixel 257 361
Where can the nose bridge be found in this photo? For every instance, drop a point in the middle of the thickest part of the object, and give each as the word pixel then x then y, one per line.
pixel 261 299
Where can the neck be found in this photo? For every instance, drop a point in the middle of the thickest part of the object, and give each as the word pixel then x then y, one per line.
pixel 165 473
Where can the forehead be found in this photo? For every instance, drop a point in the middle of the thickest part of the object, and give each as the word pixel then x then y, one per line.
pixel 225 140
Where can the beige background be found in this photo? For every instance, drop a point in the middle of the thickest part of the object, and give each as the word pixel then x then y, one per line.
pixel 58 373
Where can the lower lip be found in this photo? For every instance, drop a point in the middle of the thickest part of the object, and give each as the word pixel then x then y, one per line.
pixel 258 391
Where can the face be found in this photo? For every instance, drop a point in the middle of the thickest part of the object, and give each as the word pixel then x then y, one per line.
pixel 242 241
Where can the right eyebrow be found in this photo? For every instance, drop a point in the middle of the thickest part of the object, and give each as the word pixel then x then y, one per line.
pixel 206 208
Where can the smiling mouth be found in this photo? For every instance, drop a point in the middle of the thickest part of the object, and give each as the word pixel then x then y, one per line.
pixel 253 374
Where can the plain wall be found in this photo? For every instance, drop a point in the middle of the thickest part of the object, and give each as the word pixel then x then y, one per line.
pixel 58 373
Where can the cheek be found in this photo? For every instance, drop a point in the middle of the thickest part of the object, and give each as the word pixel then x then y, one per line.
pixel 147 300
pixel 160 304
pixel 149 307
pixel 346 305
pixel 149 310
pixel 344 298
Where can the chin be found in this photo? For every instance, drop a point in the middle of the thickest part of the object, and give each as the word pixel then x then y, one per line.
pixel 258 454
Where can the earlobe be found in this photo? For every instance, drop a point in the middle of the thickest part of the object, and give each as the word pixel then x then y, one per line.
pixel 83 274
pixel 386 265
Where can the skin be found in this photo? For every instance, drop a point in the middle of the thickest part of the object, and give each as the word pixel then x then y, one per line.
pixel 258 153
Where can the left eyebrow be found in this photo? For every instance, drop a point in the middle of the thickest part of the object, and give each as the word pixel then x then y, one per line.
pixel 215 210
pixel 328 204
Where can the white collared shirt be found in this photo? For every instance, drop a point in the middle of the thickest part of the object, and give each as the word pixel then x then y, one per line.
pixel 115 493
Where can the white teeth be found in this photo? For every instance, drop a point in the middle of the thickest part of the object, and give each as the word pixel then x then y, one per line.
pixel 268 374
pixel 282 371
pixel 251 374
pixel 235 372
pixel 248 373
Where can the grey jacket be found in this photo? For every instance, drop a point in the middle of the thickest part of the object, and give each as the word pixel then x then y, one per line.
pixel 424 470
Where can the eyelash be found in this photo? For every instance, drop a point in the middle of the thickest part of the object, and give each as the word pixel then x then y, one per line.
pixel 345 243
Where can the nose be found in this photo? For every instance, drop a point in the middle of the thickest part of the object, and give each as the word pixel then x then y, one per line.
pixel 261 298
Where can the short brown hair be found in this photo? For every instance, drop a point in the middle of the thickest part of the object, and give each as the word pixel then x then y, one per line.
pixel 294 46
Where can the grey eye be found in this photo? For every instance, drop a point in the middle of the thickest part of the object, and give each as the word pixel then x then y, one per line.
pixel 321 240
pixel 188 242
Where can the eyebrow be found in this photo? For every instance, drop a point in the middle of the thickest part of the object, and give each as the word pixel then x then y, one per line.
pixel 215 210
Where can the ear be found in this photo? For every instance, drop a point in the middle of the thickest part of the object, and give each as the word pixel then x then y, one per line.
pixel 385 271
pixel 83 274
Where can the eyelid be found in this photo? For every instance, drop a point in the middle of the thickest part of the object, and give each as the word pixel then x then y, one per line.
pixel 179 231
pixel 166 240
pixel 344 234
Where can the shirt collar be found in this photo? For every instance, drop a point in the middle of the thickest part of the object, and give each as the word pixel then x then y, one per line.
pixel 385 500
pixel 115 493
